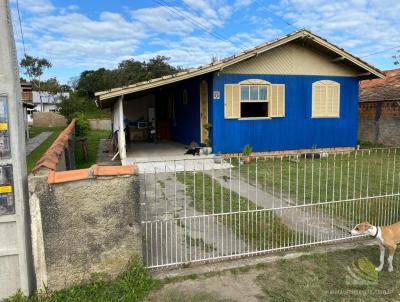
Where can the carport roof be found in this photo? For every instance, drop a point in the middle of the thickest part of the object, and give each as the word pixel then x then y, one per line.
pixel 106 98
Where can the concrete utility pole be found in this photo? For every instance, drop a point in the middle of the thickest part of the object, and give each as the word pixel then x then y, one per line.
pixel 15 246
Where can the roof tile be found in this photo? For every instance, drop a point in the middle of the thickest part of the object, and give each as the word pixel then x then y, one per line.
pixel 387 89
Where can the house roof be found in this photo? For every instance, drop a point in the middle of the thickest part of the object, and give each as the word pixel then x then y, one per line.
pixel 47 98
pixel 387 89
pixel 106 98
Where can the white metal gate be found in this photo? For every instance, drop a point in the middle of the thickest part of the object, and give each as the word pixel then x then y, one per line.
pixel 207 209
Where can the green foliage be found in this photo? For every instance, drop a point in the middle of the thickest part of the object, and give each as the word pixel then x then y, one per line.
pixel 68 107
pixel 130 286
pixel 128 72
pixel 34 66
pixel 207 126
pixel 82 126
pixel 247 150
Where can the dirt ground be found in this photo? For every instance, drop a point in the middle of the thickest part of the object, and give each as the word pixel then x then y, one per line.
pixel 336 275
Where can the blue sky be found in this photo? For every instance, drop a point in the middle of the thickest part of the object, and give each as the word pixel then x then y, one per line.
pixel 80 35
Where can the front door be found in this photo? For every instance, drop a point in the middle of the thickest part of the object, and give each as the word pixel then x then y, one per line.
pixel 203 111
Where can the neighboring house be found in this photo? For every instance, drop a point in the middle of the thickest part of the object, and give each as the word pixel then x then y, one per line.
pixel 379 109
pixel 297 92
pixel 47 102
pixel 27 104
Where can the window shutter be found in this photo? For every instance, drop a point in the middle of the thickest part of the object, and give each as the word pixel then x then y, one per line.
pixel 277 100
pixel 325 99
pixel 232 101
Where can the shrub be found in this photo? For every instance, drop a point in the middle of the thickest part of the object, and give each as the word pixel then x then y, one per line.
pixel 82 126
pixel 247 150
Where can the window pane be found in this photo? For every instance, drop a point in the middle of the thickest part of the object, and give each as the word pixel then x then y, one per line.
pixel 253 109
pixel 244 93
pixel 263 93
pixel 254 93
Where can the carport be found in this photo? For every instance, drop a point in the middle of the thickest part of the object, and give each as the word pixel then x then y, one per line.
pixel 175 107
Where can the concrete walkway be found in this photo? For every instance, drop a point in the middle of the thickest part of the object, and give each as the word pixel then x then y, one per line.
pixel 35 142
pixel 311 219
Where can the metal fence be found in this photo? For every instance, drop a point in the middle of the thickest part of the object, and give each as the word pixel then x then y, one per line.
pixel 210 208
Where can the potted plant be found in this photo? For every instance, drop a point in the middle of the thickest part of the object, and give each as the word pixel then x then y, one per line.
pixel 207 147
pixel 246 153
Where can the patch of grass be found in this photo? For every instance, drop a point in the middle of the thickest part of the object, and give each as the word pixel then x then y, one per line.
pixel 259 229
pixel 36 154
pixel 34 131
pixel 342 176
pixel 369 145
pixel 131 285
pixel 327 277
pixel 93 139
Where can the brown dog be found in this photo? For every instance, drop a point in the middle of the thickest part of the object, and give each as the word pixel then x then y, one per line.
pixel 387 236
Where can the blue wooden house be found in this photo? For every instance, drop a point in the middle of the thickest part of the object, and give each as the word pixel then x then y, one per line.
pixel 297 92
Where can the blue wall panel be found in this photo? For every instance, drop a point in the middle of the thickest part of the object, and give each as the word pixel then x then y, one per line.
pixel 297 130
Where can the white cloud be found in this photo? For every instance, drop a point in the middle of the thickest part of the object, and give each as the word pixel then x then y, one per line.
pixel 36 6
pixel 361 26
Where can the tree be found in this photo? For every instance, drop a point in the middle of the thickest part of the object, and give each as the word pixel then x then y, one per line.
pixel 34 68
pixel 396 57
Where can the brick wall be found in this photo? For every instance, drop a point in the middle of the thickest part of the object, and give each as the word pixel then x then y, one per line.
pixel 379 122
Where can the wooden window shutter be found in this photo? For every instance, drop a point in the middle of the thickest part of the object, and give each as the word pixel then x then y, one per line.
pixel 325 99
pixel 232 101
pixel 277 100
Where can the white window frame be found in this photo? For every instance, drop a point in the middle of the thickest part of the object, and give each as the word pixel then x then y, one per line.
pixel 258 84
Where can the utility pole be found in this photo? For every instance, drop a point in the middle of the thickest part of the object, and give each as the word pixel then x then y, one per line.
pixel 15 245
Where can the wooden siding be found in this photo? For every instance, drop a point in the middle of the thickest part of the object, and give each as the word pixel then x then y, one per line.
pixel 291 59
pixel 297 129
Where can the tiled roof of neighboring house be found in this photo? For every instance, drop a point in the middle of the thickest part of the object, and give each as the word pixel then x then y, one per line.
pixel 340 53
pixel 48 98
pixel 387 89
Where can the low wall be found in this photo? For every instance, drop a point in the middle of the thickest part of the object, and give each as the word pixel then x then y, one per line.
pixel 100 124
pixel 379 122
pixel 48 119
pixel 61 154
pixel 83 221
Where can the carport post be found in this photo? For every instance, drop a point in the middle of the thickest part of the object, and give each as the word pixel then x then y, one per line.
pixel 121 132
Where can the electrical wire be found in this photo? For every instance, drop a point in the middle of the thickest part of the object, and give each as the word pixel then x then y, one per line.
pixel 20 27
pixel 198 24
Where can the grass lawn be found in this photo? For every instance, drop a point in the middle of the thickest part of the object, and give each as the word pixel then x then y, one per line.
pixel 34 131
pixel 260 230
pixel 36 154
pixel 131 285
pixel 93 140
pixel 346 275
pixel 342 176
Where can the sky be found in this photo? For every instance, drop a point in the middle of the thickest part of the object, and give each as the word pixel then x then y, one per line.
pixel 87 35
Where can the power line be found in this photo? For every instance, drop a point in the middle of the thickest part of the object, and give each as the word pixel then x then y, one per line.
pixel 276 15
pixel 20 27
pixel 195 22
pixel 385 50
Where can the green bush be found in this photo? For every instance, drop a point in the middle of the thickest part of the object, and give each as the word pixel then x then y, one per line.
pixel 71 106
pixel 82 126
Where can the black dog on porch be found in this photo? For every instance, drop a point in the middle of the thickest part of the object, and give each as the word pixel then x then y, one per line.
pixel 193 149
